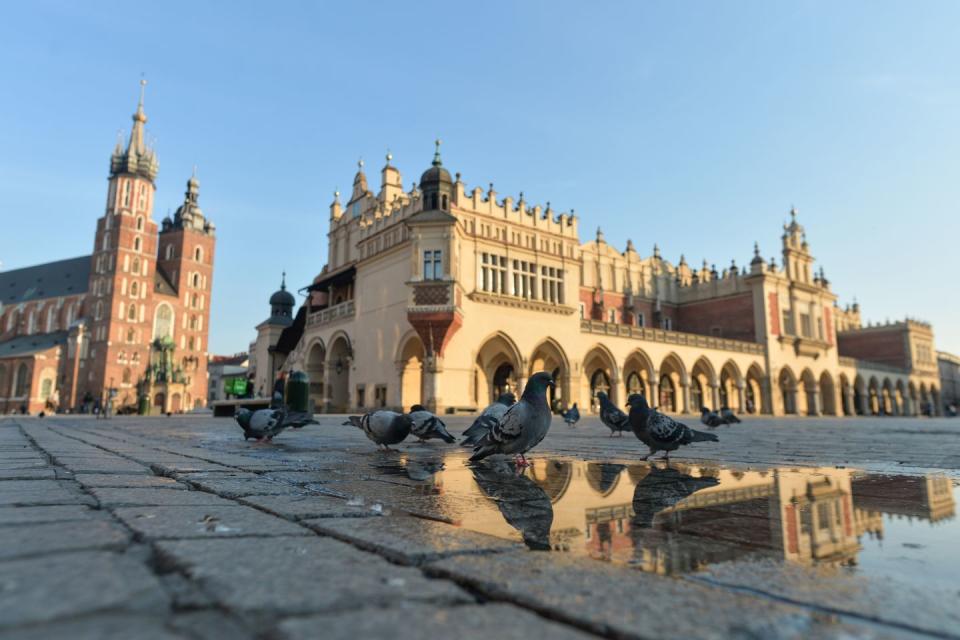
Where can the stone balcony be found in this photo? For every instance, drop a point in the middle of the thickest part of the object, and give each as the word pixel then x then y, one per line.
pixel 336 313
pixel 670 337
pixel 433 296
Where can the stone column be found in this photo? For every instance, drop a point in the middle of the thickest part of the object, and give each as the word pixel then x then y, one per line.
pixel 655 392
pixel 817 408
pixel 432 385
pixel 685 393
pixel 714 395
pixel 740 398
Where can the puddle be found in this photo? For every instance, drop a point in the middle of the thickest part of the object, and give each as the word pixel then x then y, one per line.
pixel 683 518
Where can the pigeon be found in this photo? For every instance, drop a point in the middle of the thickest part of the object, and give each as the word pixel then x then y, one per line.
pixel 485 421
pixel 571 416
pixel 710 418
pixel 426 425
pixel 661 489
pixel 660 432
pixel 616 420
pixel 264 424
pixel 524 424
pixel 383 427
pixel 728 416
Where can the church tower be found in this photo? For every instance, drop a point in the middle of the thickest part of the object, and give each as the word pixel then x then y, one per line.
pixel 185 262
pixel 122 270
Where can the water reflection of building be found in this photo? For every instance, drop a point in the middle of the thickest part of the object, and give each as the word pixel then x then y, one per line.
pixel 683 518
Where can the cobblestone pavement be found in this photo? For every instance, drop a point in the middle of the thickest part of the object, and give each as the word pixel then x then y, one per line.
pixel 177 528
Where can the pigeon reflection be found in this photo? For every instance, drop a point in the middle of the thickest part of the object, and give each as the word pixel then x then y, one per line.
pixel 522 502
pixel 661 489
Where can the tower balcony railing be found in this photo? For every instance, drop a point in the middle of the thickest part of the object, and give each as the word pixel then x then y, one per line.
pixel 670 337
pixel 429 296
pixel 337 312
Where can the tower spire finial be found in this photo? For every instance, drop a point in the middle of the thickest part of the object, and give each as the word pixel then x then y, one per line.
pixel 283 281
pixel 437 162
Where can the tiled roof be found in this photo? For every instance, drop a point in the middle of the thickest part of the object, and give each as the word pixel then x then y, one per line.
pixel 25 345
pixel 49 280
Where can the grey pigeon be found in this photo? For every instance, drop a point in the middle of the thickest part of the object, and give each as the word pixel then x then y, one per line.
pixel 485 421
pixel 710 418
pixel 383 427
pixel 660 432
pixel 728 416
pixel 264 424
pixel 426 425
pixel 524 424
pixel 661 489
pixel 617 421
pixel 571 416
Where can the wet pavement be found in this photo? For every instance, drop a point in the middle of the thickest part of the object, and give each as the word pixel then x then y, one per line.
pixel 786 528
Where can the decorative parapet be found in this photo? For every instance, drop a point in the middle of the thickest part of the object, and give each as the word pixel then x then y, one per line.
pixel 342 311
pixel 670 337
pixel 520 303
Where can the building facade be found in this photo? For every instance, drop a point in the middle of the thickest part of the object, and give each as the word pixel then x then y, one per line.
pixel 132 317
pixel 222 372
pixel 949 380
pixel 445 296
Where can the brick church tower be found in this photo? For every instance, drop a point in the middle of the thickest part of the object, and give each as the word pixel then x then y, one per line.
pixel 149 309
pixel 120 312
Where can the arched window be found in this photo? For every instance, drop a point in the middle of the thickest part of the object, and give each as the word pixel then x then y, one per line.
pixel 105 244
pixel 21 386
pixel 132 313
pixel 3 380
pixel 126 375
pixel 71 313
pixel 163 322
pixel 198 254
pixel 196 280
pixel 443 202
pixel 194 301
pixel 137 243
pixel 31 322
pixel 134 288
pixel 51 319
pixel 136 264
pixel 98 312
pixel 131 336
pixel 190 343
pixel 139 223
pixel 193 322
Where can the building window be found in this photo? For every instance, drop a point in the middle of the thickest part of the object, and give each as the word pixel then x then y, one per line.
pixel 98 310
pixel 139 223
pixel 493 273
pixel 525 279
pixel 805 326
pixel 666 323
pixel 380 395
pixel 106 242
pixel 583 311
pixel 198 254
pixel 640 319
pixel 168 252
pixel 21 385
pixel 432 265
pixel 136 244
pixel 51 319
pixel 551 285
pixel 134 289
pixel 361 395
pixel 612 316
pixel 126 193
pixel 126 376
pixel 163 322
pixel 132 313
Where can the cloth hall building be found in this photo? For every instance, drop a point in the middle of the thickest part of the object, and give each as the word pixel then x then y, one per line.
pixel 446 296
pixel 131 317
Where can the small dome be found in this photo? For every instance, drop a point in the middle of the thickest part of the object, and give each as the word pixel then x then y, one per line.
pixel 282 298
pixel 436 174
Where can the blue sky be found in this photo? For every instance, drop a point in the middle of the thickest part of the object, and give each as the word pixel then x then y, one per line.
pixel 695 125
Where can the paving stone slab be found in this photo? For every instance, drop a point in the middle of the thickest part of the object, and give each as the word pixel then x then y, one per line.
pixel 39 492
pixel 45 589
pixel 136 497
pixel 892 601
pixel 205 522
pixel 37 515
pixel 296 576
pixel 210 625
pixel 21 465
pixel 126 480
pixel 185 465
pixel 303 478
pixel 610 600
pixel 235 484
pixel 308 506
pixel 30 473
pixel 102 465
pixel 411 540
pixel 100 627
pixel 51 537
pixel 417 621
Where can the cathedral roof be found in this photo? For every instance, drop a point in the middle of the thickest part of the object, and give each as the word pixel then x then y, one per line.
pixel 25 345
pixel 48 280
